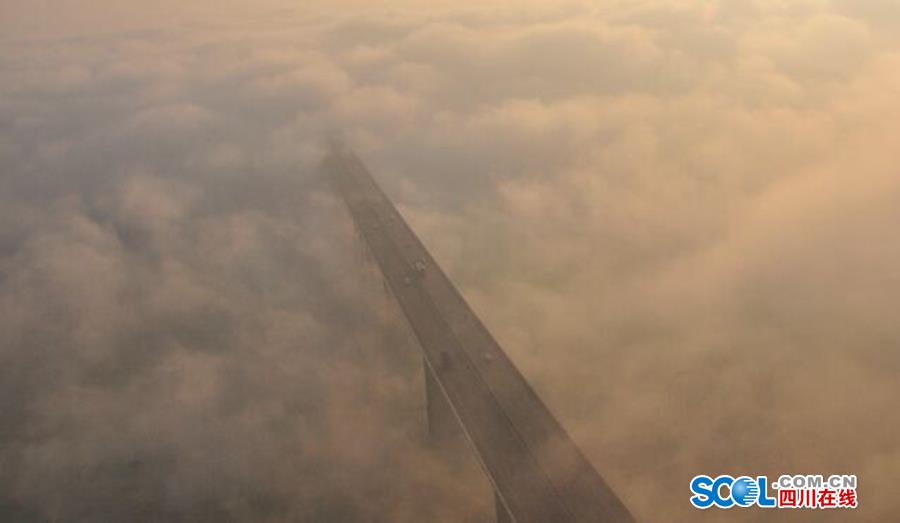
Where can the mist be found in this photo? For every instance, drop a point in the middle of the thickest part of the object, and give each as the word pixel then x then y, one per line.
pixel 678 220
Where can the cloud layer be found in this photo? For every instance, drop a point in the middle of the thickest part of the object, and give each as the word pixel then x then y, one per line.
pixel 678 220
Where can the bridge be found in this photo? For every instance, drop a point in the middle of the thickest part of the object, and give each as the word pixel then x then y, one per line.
pixel 537 472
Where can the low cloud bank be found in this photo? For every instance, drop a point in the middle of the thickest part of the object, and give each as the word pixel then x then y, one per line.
pixel 678 220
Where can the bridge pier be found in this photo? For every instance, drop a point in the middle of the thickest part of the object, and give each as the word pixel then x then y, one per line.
pixel 443 430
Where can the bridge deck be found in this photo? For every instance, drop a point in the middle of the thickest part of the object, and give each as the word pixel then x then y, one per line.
pixel 538 473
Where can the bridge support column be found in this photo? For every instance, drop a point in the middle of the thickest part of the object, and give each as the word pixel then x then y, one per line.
pixel 441 422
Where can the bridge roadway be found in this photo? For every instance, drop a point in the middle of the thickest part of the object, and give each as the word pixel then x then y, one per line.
pixel 538 473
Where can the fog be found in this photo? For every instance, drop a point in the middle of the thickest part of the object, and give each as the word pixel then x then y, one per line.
pixel 679 221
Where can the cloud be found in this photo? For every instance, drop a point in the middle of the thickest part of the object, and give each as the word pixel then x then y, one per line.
pixel 676 219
